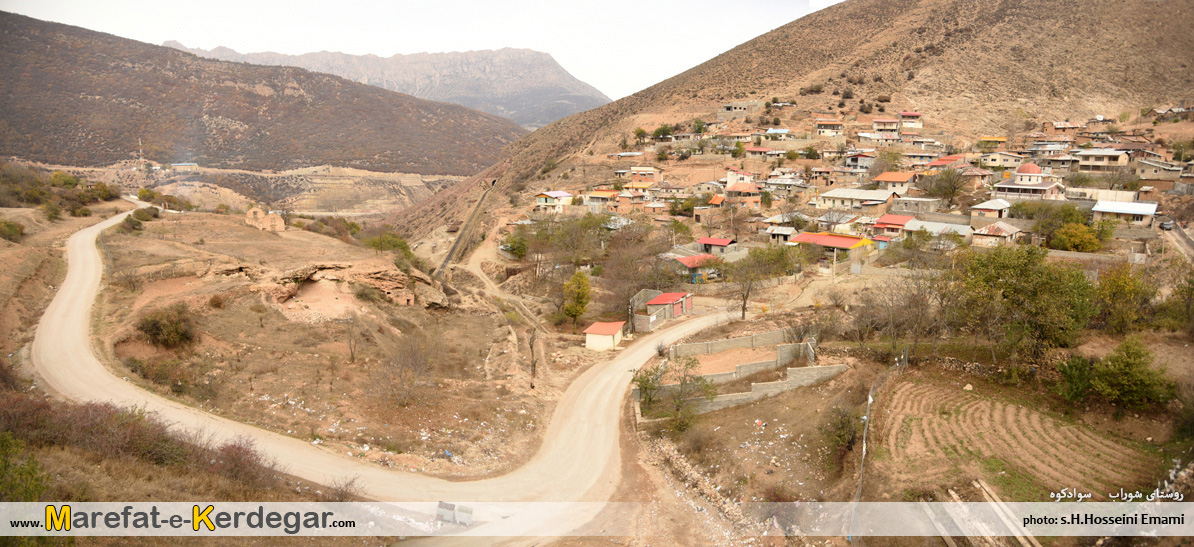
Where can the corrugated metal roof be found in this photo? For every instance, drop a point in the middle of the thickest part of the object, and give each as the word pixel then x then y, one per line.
pixel 1126 208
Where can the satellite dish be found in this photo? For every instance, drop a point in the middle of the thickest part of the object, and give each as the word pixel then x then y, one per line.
pixel 1099 117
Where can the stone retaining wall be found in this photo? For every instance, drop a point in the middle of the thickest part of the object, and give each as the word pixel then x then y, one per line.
pixel 772 338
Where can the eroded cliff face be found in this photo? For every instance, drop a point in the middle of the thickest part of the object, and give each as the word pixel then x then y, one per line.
pixel 526 86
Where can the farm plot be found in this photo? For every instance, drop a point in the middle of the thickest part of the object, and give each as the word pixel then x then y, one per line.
pixel 931 434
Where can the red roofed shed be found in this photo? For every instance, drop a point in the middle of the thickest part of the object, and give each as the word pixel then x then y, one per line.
pixel 675 304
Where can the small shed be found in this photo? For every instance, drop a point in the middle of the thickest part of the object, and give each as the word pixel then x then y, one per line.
pixel 604 336
pixel 717 245
pixel 676 304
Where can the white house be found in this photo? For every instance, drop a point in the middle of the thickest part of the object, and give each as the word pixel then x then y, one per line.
pixel 604 336
pixel 1136 214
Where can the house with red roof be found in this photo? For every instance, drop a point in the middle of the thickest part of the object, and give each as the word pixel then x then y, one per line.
pixel 604 336
pixel 698 267
pixel 891 225
pixel 836 244
pixel 673 304
pixel 744 194
pixel 717 245
pixel 896 181
pixel 757 152
pixel 885 125
pixel 994 235
pixel 828 128
pixel 552 201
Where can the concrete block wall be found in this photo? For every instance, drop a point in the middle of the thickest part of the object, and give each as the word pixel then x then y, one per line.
pixel 758 340
pixel 797 377
pixel 644 323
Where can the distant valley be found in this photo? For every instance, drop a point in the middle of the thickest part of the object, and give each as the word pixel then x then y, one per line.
pixel 526 86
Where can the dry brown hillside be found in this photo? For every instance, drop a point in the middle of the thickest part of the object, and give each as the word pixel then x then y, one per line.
pixel 72 96
pixel 974 65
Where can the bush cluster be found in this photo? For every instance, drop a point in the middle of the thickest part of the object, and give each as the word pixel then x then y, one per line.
pixel 169 327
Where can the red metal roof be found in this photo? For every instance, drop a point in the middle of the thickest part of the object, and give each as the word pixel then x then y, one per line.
pixel 894 176
pixel 717 200
pixel 830 240
pixel 758 149
pixel 607 329
pixel 910 114
pixel 1028 169
pixel 667 298
pixel 695 261
pixel 893 220
pixel 720 242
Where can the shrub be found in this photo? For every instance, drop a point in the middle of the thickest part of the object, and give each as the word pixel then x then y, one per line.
pixel 369 293
pixel 169 327
pixel 146 214
pixel 131 224
pixel 1126 378
pixel 52 211
pixel 239 460
pixel 21 476
pixel 216 302
pixel 556 318
pixel 1076 374
pixel 11 231
pixel 882 98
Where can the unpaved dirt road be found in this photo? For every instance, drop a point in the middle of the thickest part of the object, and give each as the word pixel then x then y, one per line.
pixel 578 461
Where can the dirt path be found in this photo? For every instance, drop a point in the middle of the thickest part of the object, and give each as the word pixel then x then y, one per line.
pixel 578 460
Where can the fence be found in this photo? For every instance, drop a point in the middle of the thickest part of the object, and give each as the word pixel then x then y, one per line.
pixel 794 378
pixel 771 338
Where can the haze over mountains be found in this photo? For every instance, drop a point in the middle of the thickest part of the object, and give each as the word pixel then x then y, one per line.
pixel 527 86
pixel 73 96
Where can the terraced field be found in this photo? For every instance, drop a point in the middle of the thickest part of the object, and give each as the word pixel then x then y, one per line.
pixel 931 435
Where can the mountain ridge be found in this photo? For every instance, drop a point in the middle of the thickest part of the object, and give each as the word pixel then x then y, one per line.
pixel 525 85
pixel 73 96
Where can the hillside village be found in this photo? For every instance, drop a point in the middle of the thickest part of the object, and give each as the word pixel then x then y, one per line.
pixel 854 189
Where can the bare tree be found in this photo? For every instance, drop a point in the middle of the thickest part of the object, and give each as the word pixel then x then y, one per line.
pixel 402 374
pixel 353 331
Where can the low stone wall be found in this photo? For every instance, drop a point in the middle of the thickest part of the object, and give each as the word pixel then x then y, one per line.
pixel 797 377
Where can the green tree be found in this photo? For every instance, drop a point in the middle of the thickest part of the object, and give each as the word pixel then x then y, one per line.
pixel 640 134
pixel 1126 377
pixel 739 150
pixel 791 155
pixel 1124 295
pixel 145 194
pixel 688 389
pixel 577 293
pixel 765 199
pixel 664 130
pixel 516 244
pixel 811 153
pixel 1076 374
pixel 1017 298
pixel 21 476
pixel 1075 237
pixel 648 381
pixel 698 126
pixel 63 179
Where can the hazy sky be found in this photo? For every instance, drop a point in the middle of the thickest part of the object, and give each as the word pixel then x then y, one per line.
pixel 617 46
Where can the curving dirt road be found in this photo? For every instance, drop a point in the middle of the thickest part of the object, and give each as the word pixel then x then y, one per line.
pixel 578 461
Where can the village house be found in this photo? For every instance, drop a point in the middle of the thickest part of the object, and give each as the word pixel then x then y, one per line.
pixel 895 181
pixel 757 152
pixel 735 176
pixel 655 208
pixel 645 174
pixel 1062 164
pixel 699 268
pixel 269 222
pixel 885 125
pixel 891 225
pixel 991 144
pixel 780 234
pixel 994 235
pixel 860 160
pixel 673 304
pixel 552 202
pixel 1157 170
pixel 976 177
pixel 870 202
pixel 1001 159
pixel 911 120
pixel 777 134
pixel 1062 128
pixel 604 336
pixel 717 245
pixel 744 194
pixel 1030 183
pixel 837 222
pixel 1136 213
pixel 915 205
pixel 837 246
pixel 630 200
pixel 599 200
pixel 184 167
pixel 996 208
pixel 828 128
pixel 880 139
pixel 711 187
pixel 1101 160
pixel 640 186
